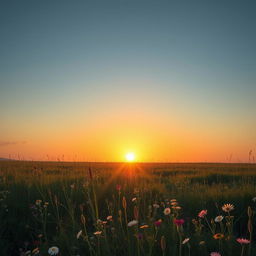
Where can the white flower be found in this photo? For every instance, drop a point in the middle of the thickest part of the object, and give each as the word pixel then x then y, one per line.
pixel 218 219
pixel 254 199
pixel 79 234
pixel 156 205
pixel 132 223
pixel 134 199
pixel 167 211
pixel 185 240
pixel 53 250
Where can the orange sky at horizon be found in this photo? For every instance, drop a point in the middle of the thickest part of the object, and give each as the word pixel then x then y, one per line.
pixel 152 139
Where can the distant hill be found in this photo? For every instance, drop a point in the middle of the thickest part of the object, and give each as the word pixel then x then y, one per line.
pixel 6 159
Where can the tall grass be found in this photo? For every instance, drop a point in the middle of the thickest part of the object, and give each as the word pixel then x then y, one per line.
pixel 122 209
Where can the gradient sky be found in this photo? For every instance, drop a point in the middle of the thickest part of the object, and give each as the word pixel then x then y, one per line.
pixel 91 80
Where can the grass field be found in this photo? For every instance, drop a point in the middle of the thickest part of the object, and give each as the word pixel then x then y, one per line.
pixel 126 209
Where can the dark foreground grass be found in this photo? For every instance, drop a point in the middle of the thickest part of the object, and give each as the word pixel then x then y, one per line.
pixel 123 209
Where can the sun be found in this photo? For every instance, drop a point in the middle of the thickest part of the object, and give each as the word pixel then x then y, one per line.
pixel 130 157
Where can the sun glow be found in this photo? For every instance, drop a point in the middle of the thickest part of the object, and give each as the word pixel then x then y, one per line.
pixel 130 157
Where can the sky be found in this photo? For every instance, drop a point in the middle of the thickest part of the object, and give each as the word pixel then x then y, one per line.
pixel 171 81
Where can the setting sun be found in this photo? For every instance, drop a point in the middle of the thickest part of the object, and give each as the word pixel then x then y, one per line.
pixel 130 157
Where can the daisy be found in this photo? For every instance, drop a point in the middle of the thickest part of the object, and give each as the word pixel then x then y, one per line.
pixel 202 214
pixel 53 250
pixel 167 211
pixel 218 218
pixel 132 223
pixel 228 207
pixel 243 241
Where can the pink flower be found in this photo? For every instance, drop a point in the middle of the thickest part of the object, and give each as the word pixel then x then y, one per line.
pixel 167 211
pixel 178 222
pixel 158 223
pixel 215 254
pixel 243 241
pixel 202 214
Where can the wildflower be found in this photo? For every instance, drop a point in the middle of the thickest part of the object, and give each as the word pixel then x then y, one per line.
pixel 79 234
pixel 35 251
pixel 144 226
pixel 53 250
pixel 132 223
pixel 228 207
pixel 201 242
pixel 185 240
pixel 72 186
pixel 110 218
pixel 173 200
pixel 134 199
pixel 174 203
pixel 178 222
pixel 243 241
pixel 99 222
pixel 218 218
pixel 158 223
pixel 97 233
pixel 156 205
pixel 202 214
pixel 176 207
pixel 167 211
pixel 254 199
pixel 215 254
pixel 218 236
pixel 38 202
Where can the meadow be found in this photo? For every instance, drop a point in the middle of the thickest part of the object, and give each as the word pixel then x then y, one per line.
pixel 133 209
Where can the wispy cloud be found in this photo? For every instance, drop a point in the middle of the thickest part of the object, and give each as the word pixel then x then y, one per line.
pixel 10 143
